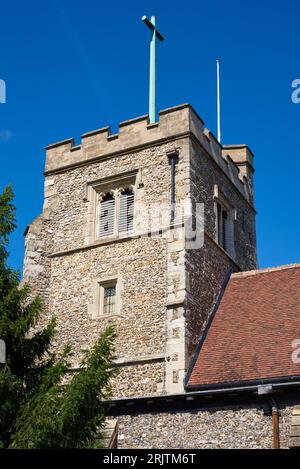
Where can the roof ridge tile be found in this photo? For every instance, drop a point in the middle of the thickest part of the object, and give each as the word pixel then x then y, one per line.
pixel 267 270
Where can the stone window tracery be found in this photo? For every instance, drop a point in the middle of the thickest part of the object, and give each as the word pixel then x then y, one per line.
pixel 107 216
pixel 111 207
pixel 116 212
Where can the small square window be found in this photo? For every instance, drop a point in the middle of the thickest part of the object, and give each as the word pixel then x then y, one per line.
pixel 106 298
pixel 109 302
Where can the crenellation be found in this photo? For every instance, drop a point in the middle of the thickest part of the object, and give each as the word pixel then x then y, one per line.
pixel 94 133
pixel 62 144
pixel 173 123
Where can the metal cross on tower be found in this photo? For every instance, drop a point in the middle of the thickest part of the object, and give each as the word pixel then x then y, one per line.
pixel 152 88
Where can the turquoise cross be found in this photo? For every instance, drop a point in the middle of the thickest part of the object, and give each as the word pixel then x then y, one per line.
pixel 152 87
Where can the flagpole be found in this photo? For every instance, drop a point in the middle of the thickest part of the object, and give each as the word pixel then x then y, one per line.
pixel 218 101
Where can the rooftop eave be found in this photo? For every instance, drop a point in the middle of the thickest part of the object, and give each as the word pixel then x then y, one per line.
pixel 242 385
pixel 249 390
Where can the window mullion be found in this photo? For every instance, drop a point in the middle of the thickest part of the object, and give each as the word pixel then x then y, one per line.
pixel 117 194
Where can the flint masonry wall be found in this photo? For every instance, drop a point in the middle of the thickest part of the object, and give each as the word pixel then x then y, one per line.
pixel 217 428
pixel 161 316
pixel 139 264
pixel 63 268
pixel 208 268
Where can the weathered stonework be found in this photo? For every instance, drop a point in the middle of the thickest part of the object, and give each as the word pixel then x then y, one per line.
pixel 208 268
pixel 232 427
pixel 166 290
pixel 215 429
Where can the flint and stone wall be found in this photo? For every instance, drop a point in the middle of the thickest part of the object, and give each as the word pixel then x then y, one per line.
pixel 219 428
pixel 66 279
pixel 208 269
pixel 166 291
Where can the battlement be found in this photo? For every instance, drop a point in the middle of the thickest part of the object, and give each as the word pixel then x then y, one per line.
pixel 174 123
pixel 132 133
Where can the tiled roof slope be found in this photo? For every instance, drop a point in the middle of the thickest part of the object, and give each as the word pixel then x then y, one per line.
pixel 251 336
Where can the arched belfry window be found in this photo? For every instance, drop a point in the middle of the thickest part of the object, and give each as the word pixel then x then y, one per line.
pixel 126 212
pixel 107 216
pixel 112 207
pixel 116 213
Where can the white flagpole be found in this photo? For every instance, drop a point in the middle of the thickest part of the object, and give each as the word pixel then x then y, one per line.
pixel 218 101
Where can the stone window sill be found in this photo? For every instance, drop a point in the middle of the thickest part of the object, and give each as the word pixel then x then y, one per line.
pixel 115 240
pixel 112 239
pixel 108 316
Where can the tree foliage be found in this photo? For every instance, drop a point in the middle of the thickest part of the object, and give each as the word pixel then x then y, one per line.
pixel 41 404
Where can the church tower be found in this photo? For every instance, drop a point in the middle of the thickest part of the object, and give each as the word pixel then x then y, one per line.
pixel 142 229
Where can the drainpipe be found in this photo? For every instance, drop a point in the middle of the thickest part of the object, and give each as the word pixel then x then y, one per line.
pixel 275 420
pixel 265 390
pixel 173 158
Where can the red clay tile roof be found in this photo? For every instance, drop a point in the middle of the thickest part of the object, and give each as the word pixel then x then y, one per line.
pixel 250 337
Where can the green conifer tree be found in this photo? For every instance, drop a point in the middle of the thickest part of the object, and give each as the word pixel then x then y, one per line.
pixel 36 409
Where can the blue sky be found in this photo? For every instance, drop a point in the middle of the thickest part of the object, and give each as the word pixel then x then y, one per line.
pixel 73 66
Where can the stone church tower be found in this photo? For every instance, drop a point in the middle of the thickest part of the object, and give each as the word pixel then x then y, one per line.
pixel 112 245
